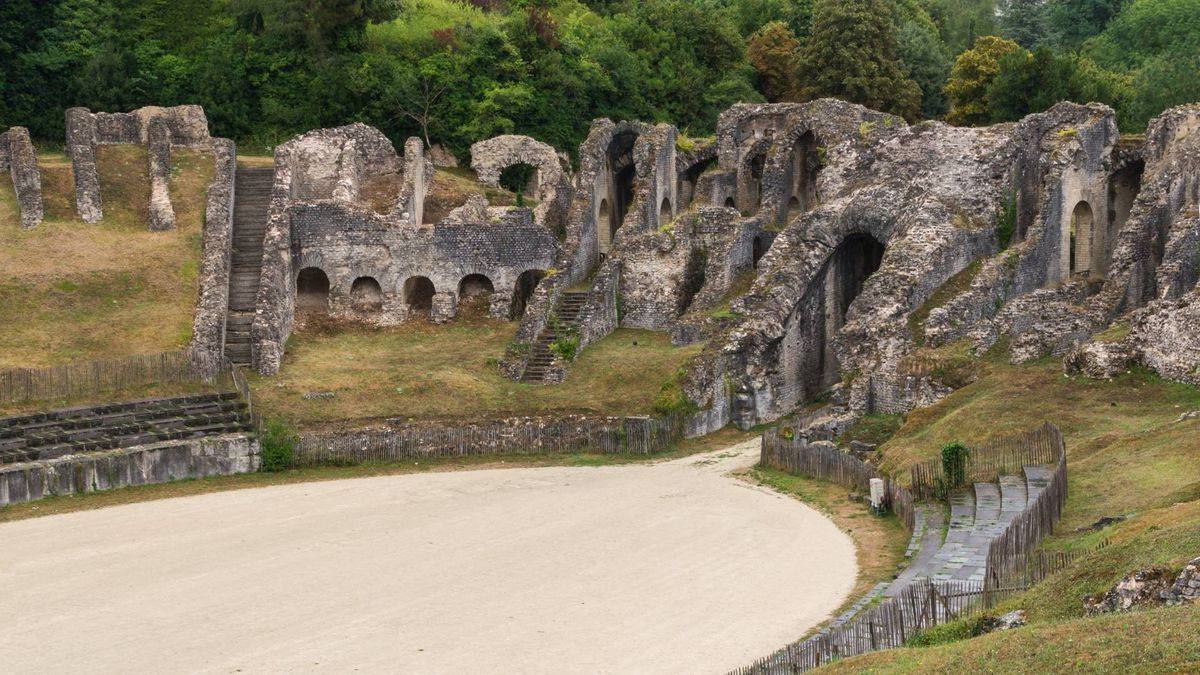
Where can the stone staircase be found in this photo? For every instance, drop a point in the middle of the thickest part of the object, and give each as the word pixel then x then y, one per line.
pixel 71 431
pixel 541 356
pixel 977 517
pixel 251 204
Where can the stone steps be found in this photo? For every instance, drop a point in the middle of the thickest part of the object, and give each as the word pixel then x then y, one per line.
pixel 251 207
pixel 541 357
pixel 56 433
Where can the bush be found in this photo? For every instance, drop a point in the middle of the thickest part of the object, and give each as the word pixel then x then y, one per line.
pixel 954 464
pixel 278 444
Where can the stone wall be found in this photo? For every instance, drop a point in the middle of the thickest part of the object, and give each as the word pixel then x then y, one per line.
pixel 139 465
pixel 207 347
pixel 154 127
pixel 18 157
pixel 551 181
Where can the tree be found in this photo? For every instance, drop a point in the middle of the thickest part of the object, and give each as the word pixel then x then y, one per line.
pixel 773 51
pixel 927 62
pixel 972 75
pixel 1070 22
pixel 851 54
pixel 1024 22
pixel 1028 83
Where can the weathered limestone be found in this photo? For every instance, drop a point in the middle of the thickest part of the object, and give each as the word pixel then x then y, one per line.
pixel 17 156
pixel 207 347
pixel 154 127
pixel 139 465
pixel 550 184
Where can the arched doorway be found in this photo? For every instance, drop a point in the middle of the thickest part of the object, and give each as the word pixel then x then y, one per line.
pixel 664 213
pixel 366 295
pixel 730 204
pixel 759 249
pixel 418 294
pixel 475 285
pixel 620 175
pixel 1080 252
pixel 523 180
pixel 312 290
pixel 806 164
pixel 526 284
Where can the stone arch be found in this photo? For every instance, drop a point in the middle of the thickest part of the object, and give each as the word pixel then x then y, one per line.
pixel 526 284
pixel 753 189
pixel 474 285
pixel 1081 237
pixel 366 295
pixel 620 173
pixel 730 204
pixel 804 167
pixel 759 249
pixel 490 158
pixel 418 294
pixel 522 179
pixel 312 290
pixel 665 213
pixel 691 176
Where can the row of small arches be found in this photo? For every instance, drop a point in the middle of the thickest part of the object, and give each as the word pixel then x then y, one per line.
pixel 366 294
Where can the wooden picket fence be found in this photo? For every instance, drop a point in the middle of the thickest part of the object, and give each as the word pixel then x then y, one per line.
pixel 88 378
pixel 795 455
pixel 1013 564
pixel 604 435
pixel 991 460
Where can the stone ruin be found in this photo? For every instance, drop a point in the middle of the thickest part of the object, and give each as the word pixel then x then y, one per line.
pixel 18 158
pixel 159 129
pixel 819 249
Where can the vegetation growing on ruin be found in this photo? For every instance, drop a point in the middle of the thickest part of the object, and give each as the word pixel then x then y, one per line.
pixel 422 371
pixel 76 291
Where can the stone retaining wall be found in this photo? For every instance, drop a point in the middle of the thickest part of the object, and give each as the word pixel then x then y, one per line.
pixel 208 326
pixel 139 465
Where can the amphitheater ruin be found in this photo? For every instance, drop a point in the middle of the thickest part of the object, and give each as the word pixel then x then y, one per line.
pixel 818 251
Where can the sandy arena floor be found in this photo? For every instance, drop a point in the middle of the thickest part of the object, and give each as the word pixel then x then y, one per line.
pixel 667 567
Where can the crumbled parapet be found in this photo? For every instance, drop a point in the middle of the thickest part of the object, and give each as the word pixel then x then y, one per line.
pixel 207 347
pixel 157 128
pixel 17 156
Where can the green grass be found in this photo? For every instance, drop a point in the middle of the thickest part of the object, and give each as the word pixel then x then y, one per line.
pixel 75 291
pixel 421 371
pixel 1156 641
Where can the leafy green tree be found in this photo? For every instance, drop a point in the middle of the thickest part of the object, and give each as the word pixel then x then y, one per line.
pixel 851 54
pixel 1029 83
pixel 961 22
pixel 1024 22
pixel 773 51
pixel 972 76
pixel 927 62
pixel 1070 22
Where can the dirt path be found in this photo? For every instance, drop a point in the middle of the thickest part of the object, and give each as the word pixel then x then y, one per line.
pixel 667 567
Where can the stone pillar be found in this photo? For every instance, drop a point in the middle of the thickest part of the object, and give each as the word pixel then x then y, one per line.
pixel 499 305
pixel 444 308
pixel 81 147
pixel 27 180
pixel 158 143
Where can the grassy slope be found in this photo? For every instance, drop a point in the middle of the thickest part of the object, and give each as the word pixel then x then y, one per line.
pixel 73 291
pixel 418 370
pixel 1128 455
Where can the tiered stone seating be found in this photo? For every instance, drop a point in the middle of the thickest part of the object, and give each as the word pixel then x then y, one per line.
pixel 57 433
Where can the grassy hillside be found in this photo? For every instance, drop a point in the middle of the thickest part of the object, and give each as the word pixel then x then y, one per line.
pixel 419 370
pixel 1129 455
pixel 75 291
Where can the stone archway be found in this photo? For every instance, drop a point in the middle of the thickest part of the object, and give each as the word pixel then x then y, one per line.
pixel 665 214
pixel 620 174
pixel 526 284
pixel 1079 253
pixel 418 294
pixel 366 295
pixel 312 290
pixel 475 285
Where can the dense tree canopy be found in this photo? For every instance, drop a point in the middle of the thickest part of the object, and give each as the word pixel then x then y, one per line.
pixel 456 71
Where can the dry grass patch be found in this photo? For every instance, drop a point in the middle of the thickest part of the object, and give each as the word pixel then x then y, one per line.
pixel 451 188
pixel 76 291
pixel 423 371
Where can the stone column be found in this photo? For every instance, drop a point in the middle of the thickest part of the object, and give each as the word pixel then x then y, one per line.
pixel 81 147
pixel 158 143
pixel 27 180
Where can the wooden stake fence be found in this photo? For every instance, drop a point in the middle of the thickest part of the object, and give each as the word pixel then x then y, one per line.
pixel 987 463
pixel 88 378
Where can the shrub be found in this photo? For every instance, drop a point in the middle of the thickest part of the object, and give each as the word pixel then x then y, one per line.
pixel 954 464
pixel 278 443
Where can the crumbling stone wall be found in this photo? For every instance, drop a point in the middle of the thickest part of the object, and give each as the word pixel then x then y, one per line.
pixel 207 346
pixel 17 156
pixel 154 127
pixel 551 180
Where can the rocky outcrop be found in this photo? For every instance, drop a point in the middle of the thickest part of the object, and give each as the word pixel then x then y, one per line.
pixel 1155 586
pixel 17 156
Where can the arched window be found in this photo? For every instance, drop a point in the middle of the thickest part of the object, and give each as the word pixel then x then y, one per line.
pixel 730 204
pixel 366 295
pixel 312 290
pixel 527 283
pixel 474 285
pixel 418 294
pixel 1081 239
pixel 523 180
